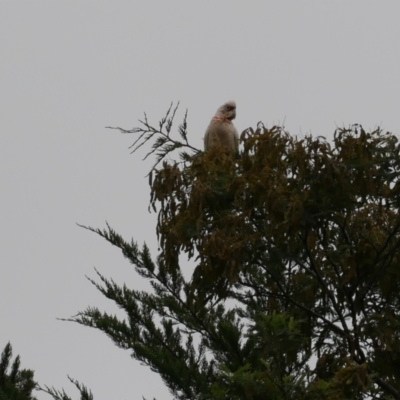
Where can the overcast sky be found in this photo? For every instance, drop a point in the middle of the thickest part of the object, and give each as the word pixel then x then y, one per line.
pixel 68 69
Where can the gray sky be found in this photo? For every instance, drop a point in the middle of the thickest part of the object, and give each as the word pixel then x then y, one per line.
pixel 70 68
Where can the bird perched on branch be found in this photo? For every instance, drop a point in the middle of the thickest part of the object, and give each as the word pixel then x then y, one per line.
pixel 221 131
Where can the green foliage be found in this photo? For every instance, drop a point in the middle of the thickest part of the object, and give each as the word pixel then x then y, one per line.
pixel 85 393
pixel 163 142
pixel 15 383
pixel 18 384
pixel 295 245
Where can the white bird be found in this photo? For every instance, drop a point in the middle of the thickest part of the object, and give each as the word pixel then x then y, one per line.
pixel 221 131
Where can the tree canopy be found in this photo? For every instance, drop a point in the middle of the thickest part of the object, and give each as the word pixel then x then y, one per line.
pixel 15 383
pixel 292 291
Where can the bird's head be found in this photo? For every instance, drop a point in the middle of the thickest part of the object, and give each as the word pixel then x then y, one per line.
pixel 227 111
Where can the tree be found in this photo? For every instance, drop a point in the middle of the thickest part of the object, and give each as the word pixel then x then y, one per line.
pixel 295 289
pixel 85 393
pixel 15 383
